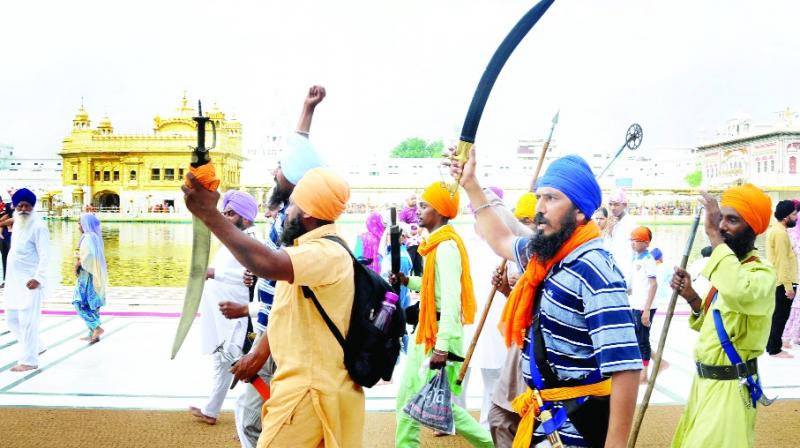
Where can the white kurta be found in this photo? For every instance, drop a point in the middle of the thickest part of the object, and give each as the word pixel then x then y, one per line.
pixel 619 245
pixel 226 286
pixel 27 259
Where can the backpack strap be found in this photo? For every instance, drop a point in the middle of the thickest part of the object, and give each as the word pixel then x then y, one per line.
pixel 336 333
pixel 309 294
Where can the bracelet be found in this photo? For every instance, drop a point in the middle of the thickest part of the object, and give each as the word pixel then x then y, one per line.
pixel 301 132
pixel 488 204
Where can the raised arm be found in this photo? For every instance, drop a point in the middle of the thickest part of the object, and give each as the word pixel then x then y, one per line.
pixel 492 226
pixel 315 96
pixel 253 255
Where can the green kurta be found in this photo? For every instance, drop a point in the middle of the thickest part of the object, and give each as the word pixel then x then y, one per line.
pixel 717 413
pixel 449 337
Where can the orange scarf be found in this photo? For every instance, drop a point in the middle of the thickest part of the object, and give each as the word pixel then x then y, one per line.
pixel 428 326
pixel 518 312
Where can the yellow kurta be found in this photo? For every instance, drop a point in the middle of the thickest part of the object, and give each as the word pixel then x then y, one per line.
pixel 716 413
pixel 311 379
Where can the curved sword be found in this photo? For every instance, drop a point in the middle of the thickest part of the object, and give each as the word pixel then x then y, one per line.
pixel 481 95
pixel 201 240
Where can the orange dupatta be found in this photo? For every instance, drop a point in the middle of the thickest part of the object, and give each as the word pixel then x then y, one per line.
pixel 428 326
pixel 518 312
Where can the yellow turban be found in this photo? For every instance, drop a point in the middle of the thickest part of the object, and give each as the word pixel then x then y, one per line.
pixel 322 194
pixel 751 203
pixel 438 196
pixel 526 206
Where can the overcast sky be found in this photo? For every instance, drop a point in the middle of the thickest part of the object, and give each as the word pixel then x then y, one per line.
pixel 397 69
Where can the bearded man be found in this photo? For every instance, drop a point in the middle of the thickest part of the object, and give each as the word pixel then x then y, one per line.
pixel 314 400
pixel 224 284
pixel 26 278
pixel 568 312
pixel 721 410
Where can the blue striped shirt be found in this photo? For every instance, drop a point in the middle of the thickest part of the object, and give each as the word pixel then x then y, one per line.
pixel 265 289
pixel 586 321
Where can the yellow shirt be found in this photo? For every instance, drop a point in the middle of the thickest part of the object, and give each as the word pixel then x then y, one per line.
pixel 309 359
pixel 781 255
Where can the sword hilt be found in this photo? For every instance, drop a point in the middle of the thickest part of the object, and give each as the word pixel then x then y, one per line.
pixel 461 155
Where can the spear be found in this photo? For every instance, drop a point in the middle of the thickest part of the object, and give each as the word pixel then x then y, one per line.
pixel 663 339
pixel 502 268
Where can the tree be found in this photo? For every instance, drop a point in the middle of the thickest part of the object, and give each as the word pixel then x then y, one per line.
pixel 694 179
pixel 416 147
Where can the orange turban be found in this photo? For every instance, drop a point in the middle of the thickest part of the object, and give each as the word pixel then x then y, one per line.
pixel 438 196
pixel 322 194
pixel 642 233
pixel 754 206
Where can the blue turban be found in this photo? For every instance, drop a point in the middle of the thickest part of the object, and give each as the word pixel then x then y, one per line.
pixel 300 156
pixel 572 176
pixel 23 194
pixel 242 203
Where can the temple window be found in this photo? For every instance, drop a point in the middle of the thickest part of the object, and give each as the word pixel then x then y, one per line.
pixel 116 176
pixel 133 175
pixel 97 176
pixel 155 174
pixel 106 176
pixel 169 173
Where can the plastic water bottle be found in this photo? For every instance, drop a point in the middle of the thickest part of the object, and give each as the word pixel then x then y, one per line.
pixel 384 318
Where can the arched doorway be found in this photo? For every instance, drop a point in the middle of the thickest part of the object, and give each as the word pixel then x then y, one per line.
pixel 106 201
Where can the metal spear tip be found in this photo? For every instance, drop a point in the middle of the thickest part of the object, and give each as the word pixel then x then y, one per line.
pixel 555 117
pixel 199 108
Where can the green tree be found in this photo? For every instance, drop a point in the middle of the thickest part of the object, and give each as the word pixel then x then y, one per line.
pixel 416 147
pixel 694 179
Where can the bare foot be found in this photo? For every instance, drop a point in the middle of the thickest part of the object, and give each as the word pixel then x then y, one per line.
pixel 643 376
pixel 97 332
pixel 782 354
pixel 787 344
pixel 23 368
pixel 86 338
pixel 664 365
pixel 204 418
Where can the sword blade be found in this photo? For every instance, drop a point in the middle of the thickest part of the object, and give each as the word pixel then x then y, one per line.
pixel 201 246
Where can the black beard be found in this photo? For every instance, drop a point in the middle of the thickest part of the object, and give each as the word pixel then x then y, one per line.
pixel 742 243
pixel 545 247
pixel 277 198
pixel 791 224
pixel 292 229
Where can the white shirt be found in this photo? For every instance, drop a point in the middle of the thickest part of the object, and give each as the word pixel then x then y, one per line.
pixel 643 268
pixel 27 259
pixel 226 286
pixel 619 245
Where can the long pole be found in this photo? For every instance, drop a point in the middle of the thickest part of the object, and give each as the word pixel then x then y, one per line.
pixel 502 268
pixel 663 339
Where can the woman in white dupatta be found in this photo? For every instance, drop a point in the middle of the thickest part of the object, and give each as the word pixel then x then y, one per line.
pixel 90 267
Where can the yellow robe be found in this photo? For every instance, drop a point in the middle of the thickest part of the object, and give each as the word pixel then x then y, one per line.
pixel 314 401
pixel 716 413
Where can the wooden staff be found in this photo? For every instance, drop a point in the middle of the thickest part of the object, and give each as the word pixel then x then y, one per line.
pixel 663 339
pixel 502 268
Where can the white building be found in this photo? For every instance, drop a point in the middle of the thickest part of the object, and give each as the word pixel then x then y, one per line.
pixel 765 155
pixel 40 175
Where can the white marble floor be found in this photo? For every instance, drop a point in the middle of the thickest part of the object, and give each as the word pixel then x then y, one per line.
pixel 130 368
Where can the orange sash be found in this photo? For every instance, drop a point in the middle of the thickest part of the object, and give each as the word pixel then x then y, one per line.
pixel 518 312
pixel 428 326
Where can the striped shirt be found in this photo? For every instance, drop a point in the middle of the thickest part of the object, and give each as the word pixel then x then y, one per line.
pixel 265 289
pixel 586 321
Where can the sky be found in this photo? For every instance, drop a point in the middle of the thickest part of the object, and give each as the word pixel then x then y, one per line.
pixel 399 69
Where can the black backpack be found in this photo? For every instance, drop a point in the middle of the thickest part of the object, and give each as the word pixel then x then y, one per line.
pixel 369 354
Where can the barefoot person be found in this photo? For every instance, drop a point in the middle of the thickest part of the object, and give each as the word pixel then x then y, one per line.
pixel 721 409
pixel 26 279
pixel 91 269
pixel 225 283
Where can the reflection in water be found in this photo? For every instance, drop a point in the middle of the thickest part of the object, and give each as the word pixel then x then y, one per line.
pixel 157 254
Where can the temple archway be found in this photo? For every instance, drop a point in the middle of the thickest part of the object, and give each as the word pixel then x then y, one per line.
pixel 106 200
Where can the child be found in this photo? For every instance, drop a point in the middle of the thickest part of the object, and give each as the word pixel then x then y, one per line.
pixel 642 291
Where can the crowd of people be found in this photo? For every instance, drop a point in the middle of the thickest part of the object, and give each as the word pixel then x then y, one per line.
pixel 565 347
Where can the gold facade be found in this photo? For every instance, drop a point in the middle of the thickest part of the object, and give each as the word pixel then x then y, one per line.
pixel 134 173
